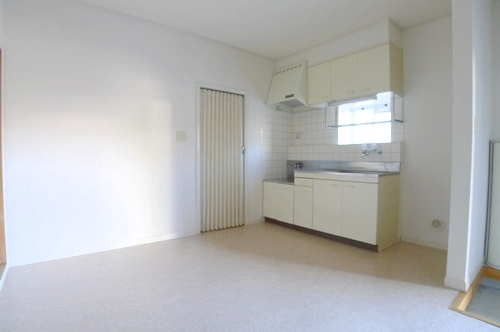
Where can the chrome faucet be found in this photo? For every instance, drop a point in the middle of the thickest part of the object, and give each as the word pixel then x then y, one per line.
pixel 299 165
pixel 365 152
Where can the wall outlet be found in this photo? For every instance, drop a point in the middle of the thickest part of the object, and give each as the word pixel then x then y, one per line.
pixel 437 224
pixel 181 136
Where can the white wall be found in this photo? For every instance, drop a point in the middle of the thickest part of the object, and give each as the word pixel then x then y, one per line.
pixel 472 65
pixel 93 101
pixel 427 142
pixel 495 124
pixel 482 38
pixel 4 275
pixel 1 22
pixel 461 145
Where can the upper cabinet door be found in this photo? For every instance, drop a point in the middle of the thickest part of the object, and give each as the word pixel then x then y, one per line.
pixel 344 78
pixel 378 69
pixel 318 82
pixel 374 70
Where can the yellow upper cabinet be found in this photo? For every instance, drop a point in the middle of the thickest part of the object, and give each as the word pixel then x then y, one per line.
pixel 344 77
pixel 374 70
pixel 318 84
pixel 380 69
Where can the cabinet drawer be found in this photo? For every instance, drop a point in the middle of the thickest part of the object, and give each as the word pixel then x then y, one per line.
pixel 303 182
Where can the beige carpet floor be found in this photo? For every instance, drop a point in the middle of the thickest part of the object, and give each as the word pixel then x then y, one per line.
pixel 260 277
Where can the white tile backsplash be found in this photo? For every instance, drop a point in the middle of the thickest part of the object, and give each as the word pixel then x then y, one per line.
pixel 391 152
pixel 312 129
pixel 309 130
pixel 304 136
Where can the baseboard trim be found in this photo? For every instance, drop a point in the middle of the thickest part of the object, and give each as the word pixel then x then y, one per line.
pixel 455 283
pixel 431 244
pixel 463 285
pixel 153 239
pixel 255 221
pixel 336 238
pixel 480 268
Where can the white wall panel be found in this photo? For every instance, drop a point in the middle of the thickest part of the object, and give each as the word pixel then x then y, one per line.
pixel 93 101
pixel 493 249
pixel 482 93
pixel 471 131
pixel 427 138
pixel 495 124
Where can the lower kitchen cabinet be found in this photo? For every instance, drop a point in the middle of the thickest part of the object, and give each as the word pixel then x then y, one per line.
pixel 269 199
pixel 356 210
pixel 359 211
pixel 278 202
pixel 327 206
pixel 303 206
pixel 363 210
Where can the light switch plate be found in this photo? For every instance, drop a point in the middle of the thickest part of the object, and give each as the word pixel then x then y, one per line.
pixel 181 136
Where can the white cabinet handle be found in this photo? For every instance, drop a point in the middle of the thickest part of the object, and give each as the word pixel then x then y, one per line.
pixel 335 185
pixel 350 186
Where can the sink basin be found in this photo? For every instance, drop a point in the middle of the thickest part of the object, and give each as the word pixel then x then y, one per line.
pixel 345 171
pixel 342 175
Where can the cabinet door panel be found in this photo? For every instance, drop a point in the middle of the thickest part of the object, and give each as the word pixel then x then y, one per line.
pixel 327 206
pixel 344 77
pixel 373 70
pixel 359 211
pixel 303 206
pixel 269 200
pixel 318 83
pixel 285 203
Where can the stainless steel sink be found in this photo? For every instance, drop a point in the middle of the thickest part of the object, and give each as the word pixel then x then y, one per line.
pixel 344 171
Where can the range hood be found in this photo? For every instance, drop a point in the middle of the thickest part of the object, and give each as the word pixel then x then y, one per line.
pixel 289 86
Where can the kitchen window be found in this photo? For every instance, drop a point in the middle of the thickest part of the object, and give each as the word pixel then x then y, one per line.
pixel 366 120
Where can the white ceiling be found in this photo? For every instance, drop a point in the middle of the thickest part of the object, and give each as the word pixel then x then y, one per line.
pixel 276 28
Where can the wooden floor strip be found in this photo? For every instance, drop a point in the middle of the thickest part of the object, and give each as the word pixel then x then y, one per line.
pixel 463 298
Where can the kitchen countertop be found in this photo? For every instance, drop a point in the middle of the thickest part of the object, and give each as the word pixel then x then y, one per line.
pixel 346 175
pixel 281 181
pixel 349 175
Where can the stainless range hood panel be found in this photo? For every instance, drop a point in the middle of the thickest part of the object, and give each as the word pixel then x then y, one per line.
pixel 289 86
pixel 292 102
